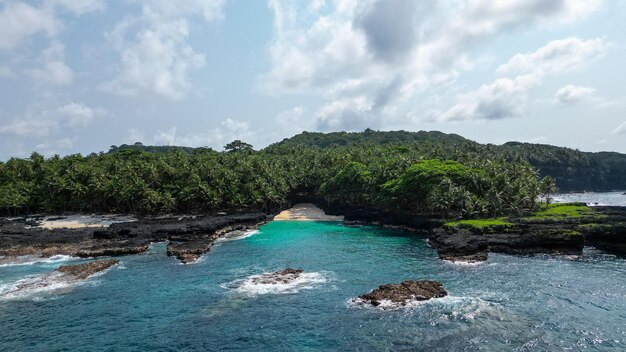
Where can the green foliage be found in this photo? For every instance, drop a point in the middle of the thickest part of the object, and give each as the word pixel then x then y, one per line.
pixel 238 146
pixel 366 138
pixel 438 174
pixel 562 211
pixel 570 169
pixel 481 223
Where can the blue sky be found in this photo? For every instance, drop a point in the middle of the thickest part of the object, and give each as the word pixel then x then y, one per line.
pixel 77 76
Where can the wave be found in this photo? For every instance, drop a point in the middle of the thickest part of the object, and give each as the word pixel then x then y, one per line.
pixel 449 307
pixel 238 235
pixel 463 263
pixel 31 260
pixel 43 285
pixel 35 286
pixel 258 285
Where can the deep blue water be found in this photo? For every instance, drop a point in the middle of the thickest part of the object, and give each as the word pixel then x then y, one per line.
pixel 152 303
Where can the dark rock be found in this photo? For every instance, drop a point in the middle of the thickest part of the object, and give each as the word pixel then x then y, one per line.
pixel 82 271
pixel 109 251
pixel 459 244
pixel 405 292
pixel 279 277
pixel 195 234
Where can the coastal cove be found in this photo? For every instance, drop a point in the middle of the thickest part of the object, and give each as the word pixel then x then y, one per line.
pixel 151 302
pixel 219 302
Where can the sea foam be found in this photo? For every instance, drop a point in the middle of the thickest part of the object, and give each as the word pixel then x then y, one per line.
pixel 446 308
pixel 31 260
pixel 43 285
pixel 254 285
pixel 238 235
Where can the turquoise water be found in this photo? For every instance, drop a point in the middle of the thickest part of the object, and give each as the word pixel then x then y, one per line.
pixel 152 303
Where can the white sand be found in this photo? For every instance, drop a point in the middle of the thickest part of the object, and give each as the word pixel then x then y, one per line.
pixel 306 212
pixel 82 221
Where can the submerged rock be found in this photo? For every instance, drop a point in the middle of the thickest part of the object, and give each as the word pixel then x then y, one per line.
pixel 82 271
pixel 279 277
pixel 405 292
pixel 61 280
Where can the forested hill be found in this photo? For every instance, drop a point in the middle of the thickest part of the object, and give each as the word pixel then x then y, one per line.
pixel 368 137
pixel 573 170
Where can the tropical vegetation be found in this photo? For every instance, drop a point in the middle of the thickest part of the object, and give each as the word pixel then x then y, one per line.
pixel 435 174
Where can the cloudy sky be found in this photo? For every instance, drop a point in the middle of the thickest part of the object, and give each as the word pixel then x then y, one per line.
pixel 81 75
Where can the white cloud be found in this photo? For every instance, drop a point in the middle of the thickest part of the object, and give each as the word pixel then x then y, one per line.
pixel 77 114
pixel 216 138
pixel 154 54
pixel 38 127
pixel 20 20
pixel 166 137
pixel 571 94
pixel 38 123
pixel 507 97
pixel 55 147
pixel 346 114
pixel 621 129
pixel 504 98
pixel 135 135
pixel 79 7
pixel 211 10
pixel 557 56
pixel 54 70
pixel 372 60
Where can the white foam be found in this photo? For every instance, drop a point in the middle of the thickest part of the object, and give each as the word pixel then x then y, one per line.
pixel 31 260
pixel 238 235
pixel 252 287
pixel 464 308
pixel 463 263
pixel 38 286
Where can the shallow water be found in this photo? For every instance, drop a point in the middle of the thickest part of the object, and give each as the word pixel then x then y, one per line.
pixel 152 303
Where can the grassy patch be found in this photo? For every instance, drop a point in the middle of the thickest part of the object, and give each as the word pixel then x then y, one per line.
pixel 480 223
pixel 562 211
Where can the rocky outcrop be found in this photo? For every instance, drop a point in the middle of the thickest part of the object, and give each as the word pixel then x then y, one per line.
pixel 279 277
pixel 188 249
pixel 609 234
pixel 83 271
pixel 473 244
pixel 459 245
pixel 189 237
pixel 405 292
pixel 606 230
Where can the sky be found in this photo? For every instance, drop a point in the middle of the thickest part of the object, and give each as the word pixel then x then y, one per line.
pixel 77 76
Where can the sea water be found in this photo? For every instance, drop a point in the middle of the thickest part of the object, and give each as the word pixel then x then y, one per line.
pixel 151 302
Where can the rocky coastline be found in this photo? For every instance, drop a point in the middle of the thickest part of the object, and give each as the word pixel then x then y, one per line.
pixel 188 237
pixel 605 229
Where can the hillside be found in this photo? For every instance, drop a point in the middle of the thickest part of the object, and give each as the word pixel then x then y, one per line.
pixel 572 170
pixel 367 137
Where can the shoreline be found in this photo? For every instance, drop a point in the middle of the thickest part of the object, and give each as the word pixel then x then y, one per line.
pixel 306 212
pixel 189 237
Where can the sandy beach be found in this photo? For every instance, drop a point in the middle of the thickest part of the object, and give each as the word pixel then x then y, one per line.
pixel 306 212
